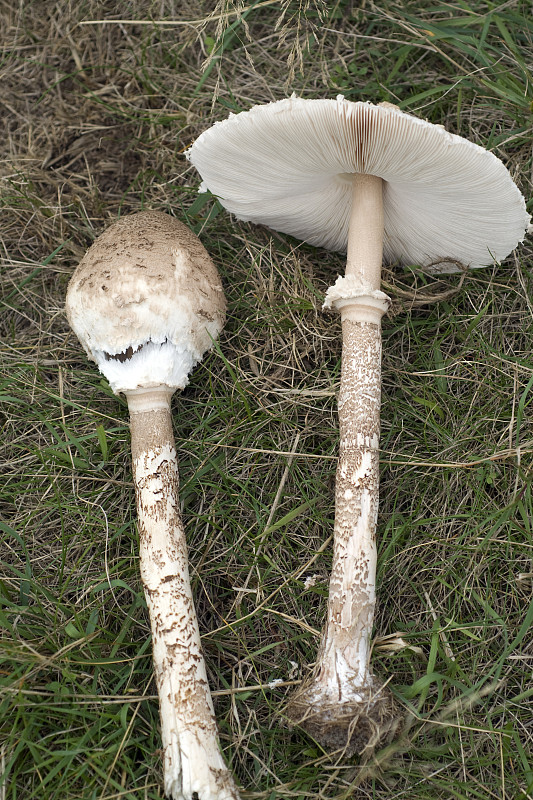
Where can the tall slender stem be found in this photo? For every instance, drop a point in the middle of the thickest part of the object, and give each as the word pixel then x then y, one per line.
pixel 193 764
pixel 346 642
pixel 342 704
pixel 345 647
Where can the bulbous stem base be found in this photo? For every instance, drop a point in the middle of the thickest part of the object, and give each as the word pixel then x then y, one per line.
pixel 362 719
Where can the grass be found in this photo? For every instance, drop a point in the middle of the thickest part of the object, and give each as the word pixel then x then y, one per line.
pixel 96 118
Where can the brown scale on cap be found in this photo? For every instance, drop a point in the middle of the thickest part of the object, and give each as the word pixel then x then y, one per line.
pixel 146 302
pixel 137 278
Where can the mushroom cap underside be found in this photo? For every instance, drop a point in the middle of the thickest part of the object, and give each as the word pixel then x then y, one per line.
pixel 288 165
pixel 146 301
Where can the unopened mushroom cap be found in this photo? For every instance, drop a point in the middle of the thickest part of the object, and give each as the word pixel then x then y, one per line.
pixel 146 302
pixel 288 165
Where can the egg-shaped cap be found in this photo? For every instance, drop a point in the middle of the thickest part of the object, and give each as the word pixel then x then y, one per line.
pixel 146 302
pixel 288 165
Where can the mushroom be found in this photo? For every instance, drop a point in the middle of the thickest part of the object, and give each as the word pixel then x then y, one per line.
pixel 146 303
pixel 377 183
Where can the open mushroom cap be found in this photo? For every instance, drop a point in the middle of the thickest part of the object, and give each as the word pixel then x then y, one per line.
pixel 146 302
pixel 288 165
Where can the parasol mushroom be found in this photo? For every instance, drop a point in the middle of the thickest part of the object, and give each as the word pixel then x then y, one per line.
pixel 377 183
pixel 146 303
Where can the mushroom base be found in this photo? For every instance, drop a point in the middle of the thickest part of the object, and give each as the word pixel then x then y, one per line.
pixel 364 718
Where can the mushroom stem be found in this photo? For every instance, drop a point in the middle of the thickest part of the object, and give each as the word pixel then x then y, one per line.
pixel 365 233
pixel 193 764
pixel 342 705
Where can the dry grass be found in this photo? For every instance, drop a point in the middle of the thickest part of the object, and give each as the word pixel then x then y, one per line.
pixel 96 118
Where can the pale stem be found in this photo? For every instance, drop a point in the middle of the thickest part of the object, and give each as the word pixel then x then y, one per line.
pixel 193 765
pixel 342 705
pixel 350 613
pixel 365 235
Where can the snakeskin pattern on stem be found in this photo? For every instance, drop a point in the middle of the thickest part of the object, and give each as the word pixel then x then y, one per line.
pixel 342 704
pixel 193 764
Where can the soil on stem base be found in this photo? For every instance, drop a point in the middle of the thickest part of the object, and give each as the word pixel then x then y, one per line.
pixel 357 722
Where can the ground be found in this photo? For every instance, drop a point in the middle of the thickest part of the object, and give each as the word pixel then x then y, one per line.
pixel 96 115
